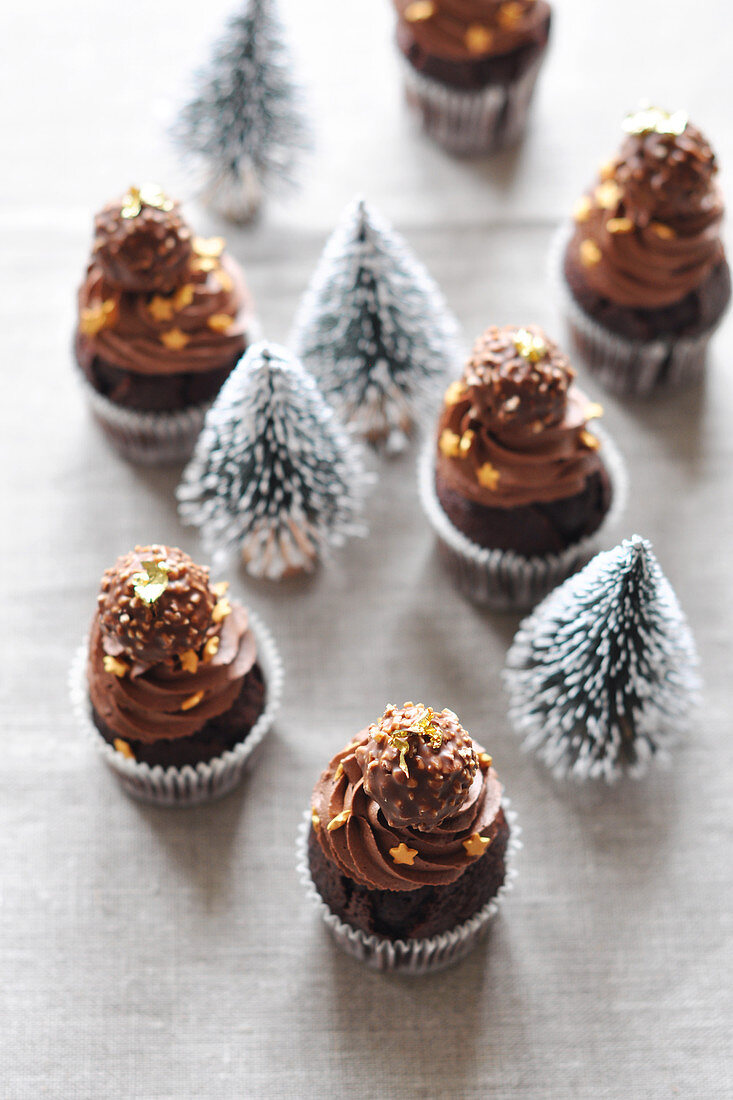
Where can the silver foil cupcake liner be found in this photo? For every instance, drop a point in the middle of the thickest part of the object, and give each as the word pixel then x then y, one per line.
pixel 419 956
pixel 502 579
pixel 147 438
pixel 475 122
pixel 188 785
pixel 627 367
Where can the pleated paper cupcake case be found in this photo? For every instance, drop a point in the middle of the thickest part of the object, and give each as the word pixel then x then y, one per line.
pixel 188 785
pixel 419 956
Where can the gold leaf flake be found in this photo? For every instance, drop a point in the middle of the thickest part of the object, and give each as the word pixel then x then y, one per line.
pixel 653 120
pixel 220 588
pixel 221 609
pixel 530 347
pixel 189 660
pixel 150 585
pixel 403 854
pixel 211 648
pixel 113 665
pixel 209 247
pixel 593 411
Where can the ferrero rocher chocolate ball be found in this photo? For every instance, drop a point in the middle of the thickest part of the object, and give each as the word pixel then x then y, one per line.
pixel 141 241
pixel 418 765
pixel 518 377
pixel 155 603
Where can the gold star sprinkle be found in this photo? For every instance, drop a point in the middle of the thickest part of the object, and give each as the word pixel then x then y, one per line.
pixel 588 440
pixel 488 476
pixel 476 844
pixel 220 322
pixel 150 585
pixel 590 253
pixel 478 39
pixel 316 821
pixel 530 347
pixel 183 296
pixel 204 263
pixel 608 194
pixel 117 668
pixel 593 411
pixel 123 748
pixel 192 701
pixel 403 854
pixel 160 309
pixel 654 120
pixel 174 339
pixel 582 209
pixel 419 11
pixel 510 14
pixel 485 761
pixel 666 232
pixel 466 441
pixel 220 588
pixel 222 608
pixel 619 225
pixel 211 648
pixel 339 820
pixel 96 317
pixel 210 247
pixel 455 392
pixel 449 443
pixel 189 660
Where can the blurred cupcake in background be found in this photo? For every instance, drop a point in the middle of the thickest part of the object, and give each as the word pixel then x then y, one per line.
pixel 517 483
pixel 164 316
pixel 471 67
pixel 643 269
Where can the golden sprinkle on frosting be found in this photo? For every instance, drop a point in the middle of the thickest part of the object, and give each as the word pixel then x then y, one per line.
pixel 192 701
pixel 590 253
pixel 466 441
pixel 339 820
pixel 488 476
pixel 619 225
pixel 220 322
pixel 221 609
pixel 123 748
pixel 211 648
pixel 510 13
pixel 485 760
pixel 183 296
pixel 478 39
pixel 419 11
pixel 476 844
pixel 98 316
pixel 403 854
pixel 315 820
pixel 608 194
pixel 189 660
pixel 589 440
pixel 665 232
pixel 582 209
pixel 208 247
pixel 449 443
pixel 455 393
pixel 161 309
pixel 174 339
pixel 593 411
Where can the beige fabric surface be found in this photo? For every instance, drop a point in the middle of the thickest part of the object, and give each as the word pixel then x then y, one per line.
pixel 167 955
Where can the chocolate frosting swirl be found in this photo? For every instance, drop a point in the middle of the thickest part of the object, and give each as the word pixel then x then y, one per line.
pixel 648 233
pixel 170 699
pixel 514 431
pixel 361 845
pixel 467 29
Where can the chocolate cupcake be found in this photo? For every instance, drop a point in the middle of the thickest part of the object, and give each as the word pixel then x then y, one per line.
pixel 164 316
pixel 644 272
pixel 181 682
pixel 516 483
pixel 406 844
pixel 470 67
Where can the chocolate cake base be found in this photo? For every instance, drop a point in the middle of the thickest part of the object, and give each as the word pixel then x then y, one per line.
pixel 154 392
pixel 411 914
pixel 697 312
pixel 217 736
pixel 532 529
pixel 473 74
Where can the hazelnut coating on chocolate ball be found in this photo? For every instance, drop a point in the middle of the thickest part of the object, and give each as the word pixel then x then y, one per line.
pixel 155 603
pixel 418 765
pixel 517 377
pixel 141 242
